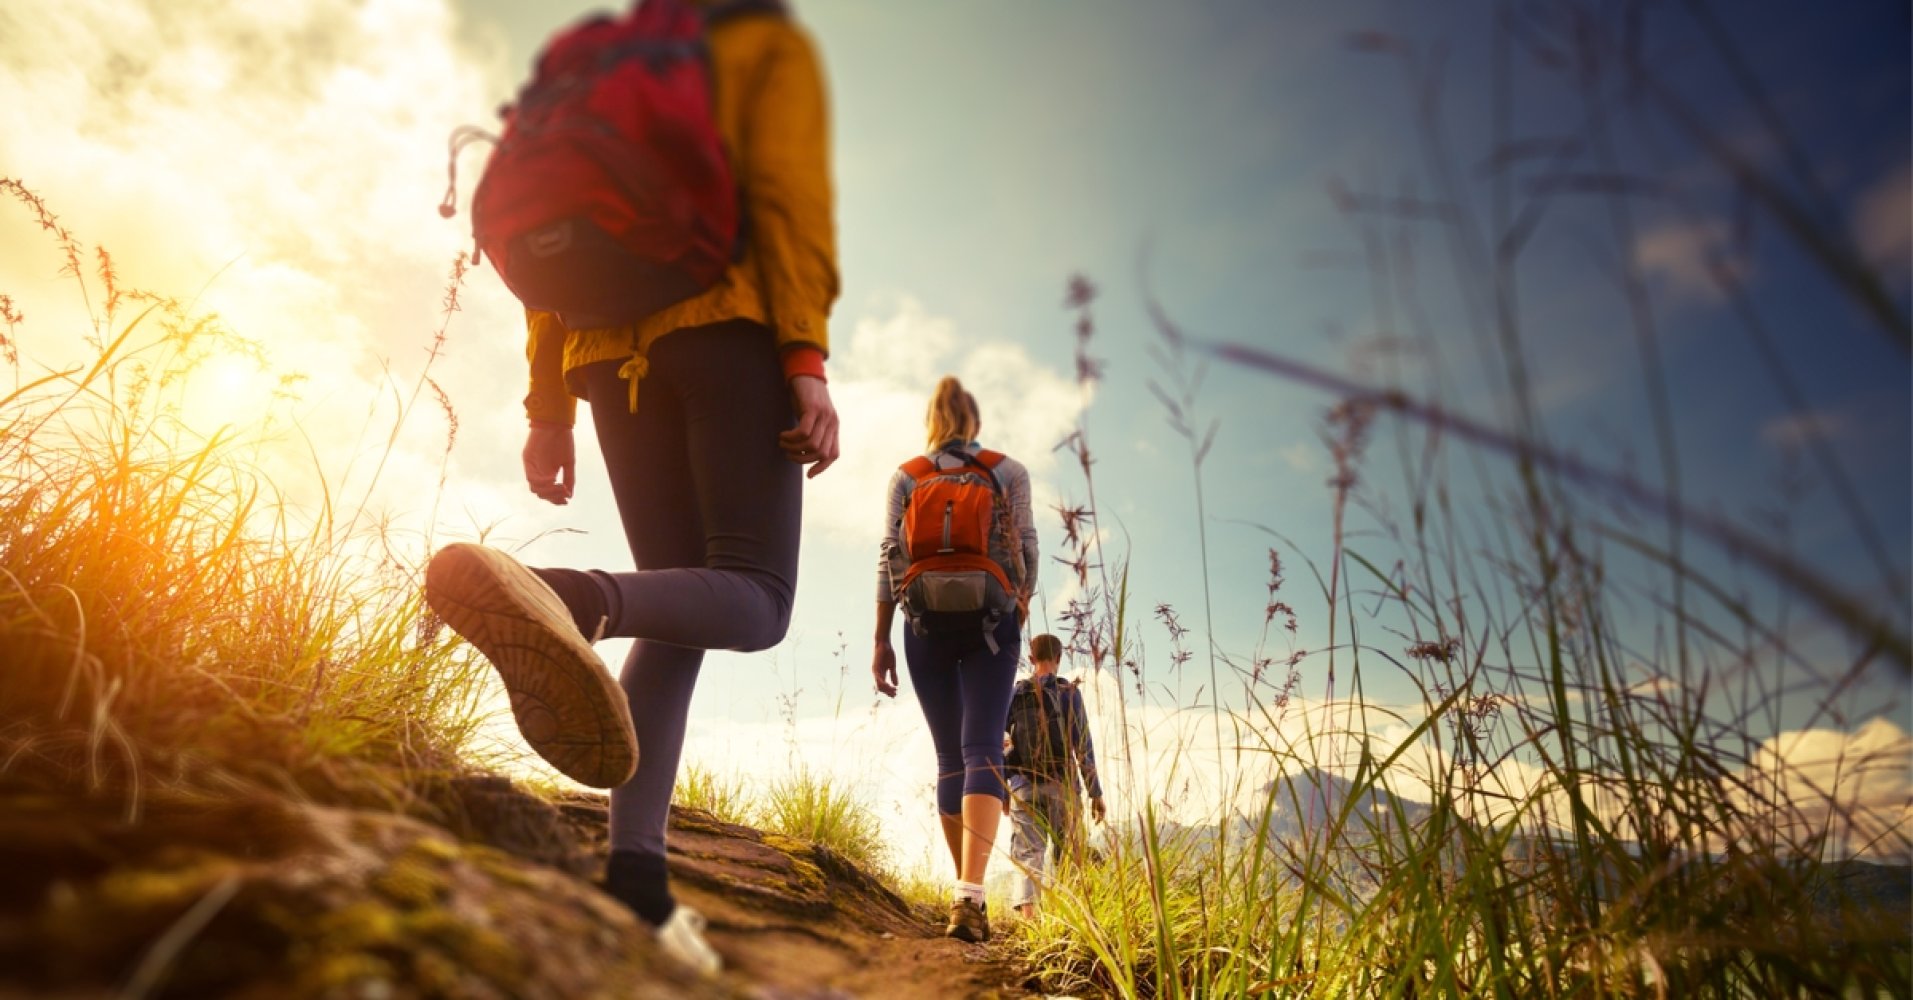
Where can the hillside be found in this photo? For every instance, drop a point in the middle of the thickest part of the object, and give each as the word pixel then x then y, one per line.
pixel 259 896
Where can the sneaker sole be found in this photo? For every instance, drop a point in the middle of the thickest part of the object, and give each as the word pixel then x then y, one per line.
pixel 567 706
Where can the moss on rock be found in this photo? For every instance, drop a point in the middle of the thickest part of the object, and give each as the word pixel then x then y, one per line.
pixel 354 974
pixel 481 949
pixel 415 879
pixel 361 926
pixel 803 871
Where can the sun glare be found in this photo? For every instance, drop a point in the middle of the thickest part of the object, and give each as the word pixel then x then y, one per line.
pixel 226 391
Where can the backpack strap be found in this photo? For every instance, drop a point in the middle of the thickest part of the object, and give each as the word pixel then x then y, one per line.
pixel 925 465
pixel 919 467
pixel 988 460
pixel 984 461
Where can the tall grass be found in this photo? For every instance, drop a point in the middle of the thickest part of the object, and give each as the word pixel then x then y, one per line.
pixel 800 803
pixel 723 795
pixel 168 616
pixel 1582 798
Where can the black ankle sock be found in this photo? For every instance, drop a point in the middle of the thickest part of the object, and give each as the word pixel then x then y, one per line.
pixel 639 881
pixel 581 595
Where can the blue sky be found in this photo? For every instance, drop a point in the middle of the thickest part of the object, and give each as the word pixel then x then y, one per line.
pixel 985 152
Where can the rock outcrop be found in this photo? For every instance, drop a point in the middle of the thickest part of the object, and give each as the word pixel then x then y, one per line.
pixel 172 894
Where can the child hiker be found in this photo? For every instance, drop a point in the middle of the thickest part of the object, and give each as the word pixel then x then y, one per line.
pixel 1050 759
pixel 959 555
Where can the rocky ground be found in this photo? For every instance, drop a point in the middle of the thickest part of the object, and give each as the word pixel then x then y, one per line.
pixel 245 895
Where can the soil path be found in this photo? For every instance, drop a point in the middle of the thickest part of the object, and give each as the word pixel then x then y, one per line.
pixel 795 922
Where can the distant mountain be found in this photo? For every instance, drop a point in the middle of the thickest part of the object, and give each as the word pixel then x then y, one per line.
pixel 1308 801
pixel 1301 808
pixel 1864 890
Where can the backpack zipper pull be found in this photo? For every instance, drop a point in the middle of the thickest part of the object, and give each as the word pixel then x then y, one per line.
pixel 949 514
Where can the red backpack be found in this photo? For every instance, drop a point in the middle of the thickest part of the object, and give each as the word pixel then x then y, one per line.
pixel 609 195
pixel 952 522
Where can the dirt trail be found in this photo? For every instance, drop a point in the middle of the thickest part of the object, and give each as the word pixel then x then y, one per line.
pixel 794 921
pixel 254 895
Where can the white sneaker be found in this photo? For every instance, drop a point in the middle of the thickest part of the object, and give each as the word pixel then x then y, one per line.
pixel 682 938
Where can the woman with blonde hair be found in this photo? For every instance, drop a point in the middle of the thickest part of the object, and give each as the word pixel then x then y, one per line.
pixel 959 556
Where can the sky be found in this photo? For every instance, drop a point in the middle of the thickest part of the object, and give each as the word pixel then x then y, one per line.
pixel 282 164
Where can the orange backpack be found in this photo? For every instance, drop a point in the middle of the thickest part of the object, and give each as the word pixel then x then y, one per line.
pixel 951 523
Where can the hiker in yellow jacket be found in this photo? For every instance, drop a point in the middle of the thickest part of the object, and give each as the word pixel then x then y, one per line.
pixel 706 414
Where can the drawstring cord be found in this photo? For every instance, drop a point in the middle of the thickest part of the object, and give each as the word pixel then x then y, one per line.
pixel 634 369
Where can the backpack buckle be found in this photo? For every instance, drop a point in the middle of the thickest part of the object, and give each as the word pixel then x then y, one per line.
pixel 549 241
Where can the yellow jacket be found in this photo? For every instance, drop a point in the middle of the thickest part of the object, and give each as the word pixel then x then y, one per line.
pixel 768 90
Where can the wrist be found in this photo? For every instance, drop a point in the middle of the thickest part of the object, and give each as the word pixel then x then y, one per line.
pixel 548 425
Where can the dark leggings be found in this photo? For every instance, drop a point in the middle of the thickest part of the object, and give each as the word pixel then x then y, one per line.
pixel 965 693
pixel 711 509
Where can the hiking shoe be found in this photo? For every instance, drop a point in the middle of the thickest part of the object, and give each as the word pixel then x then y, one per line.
pixel 682 938
pixel 567 706
pixel 968 922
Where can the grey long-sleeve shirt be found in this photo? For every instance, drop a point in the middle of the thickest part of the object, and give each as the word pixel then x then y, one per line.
pixel 1015 482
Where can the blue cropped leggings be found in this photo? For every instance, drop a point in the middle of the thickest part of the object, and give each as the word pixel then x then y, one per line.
pixel 965 693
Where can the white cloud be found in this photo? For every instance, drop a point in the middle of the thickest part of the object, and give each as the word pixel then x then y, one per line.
pixel 294 150
pixel 1883 223
pixel 1653 685
pixel 1796 430
pixel 1300 456
pixel 1856 787
pixel 881 381
pixel 1681 258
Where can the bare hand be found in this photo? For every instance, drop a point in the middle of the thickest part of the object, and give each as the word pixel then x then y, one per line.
pixel 551 463
pixel 883 667
pixel 813 441
pixel 1097 810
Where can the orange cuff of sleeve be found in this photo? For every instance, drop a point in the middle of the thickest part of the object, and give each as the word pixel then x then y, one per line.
pixel 550 408
pixel 803 359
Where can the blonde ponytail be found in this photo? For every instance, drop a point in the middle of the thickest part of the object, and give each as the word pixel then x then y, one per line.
pixel 953 415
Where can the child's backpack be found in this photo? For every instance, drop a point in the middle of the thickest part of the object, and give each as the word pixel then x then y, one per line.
pixel 954 524
pixel 609 195
pixel 1039 748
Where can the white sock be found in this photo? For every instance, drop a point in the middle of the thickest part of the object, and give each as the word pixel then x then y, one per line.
pixel 972 891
